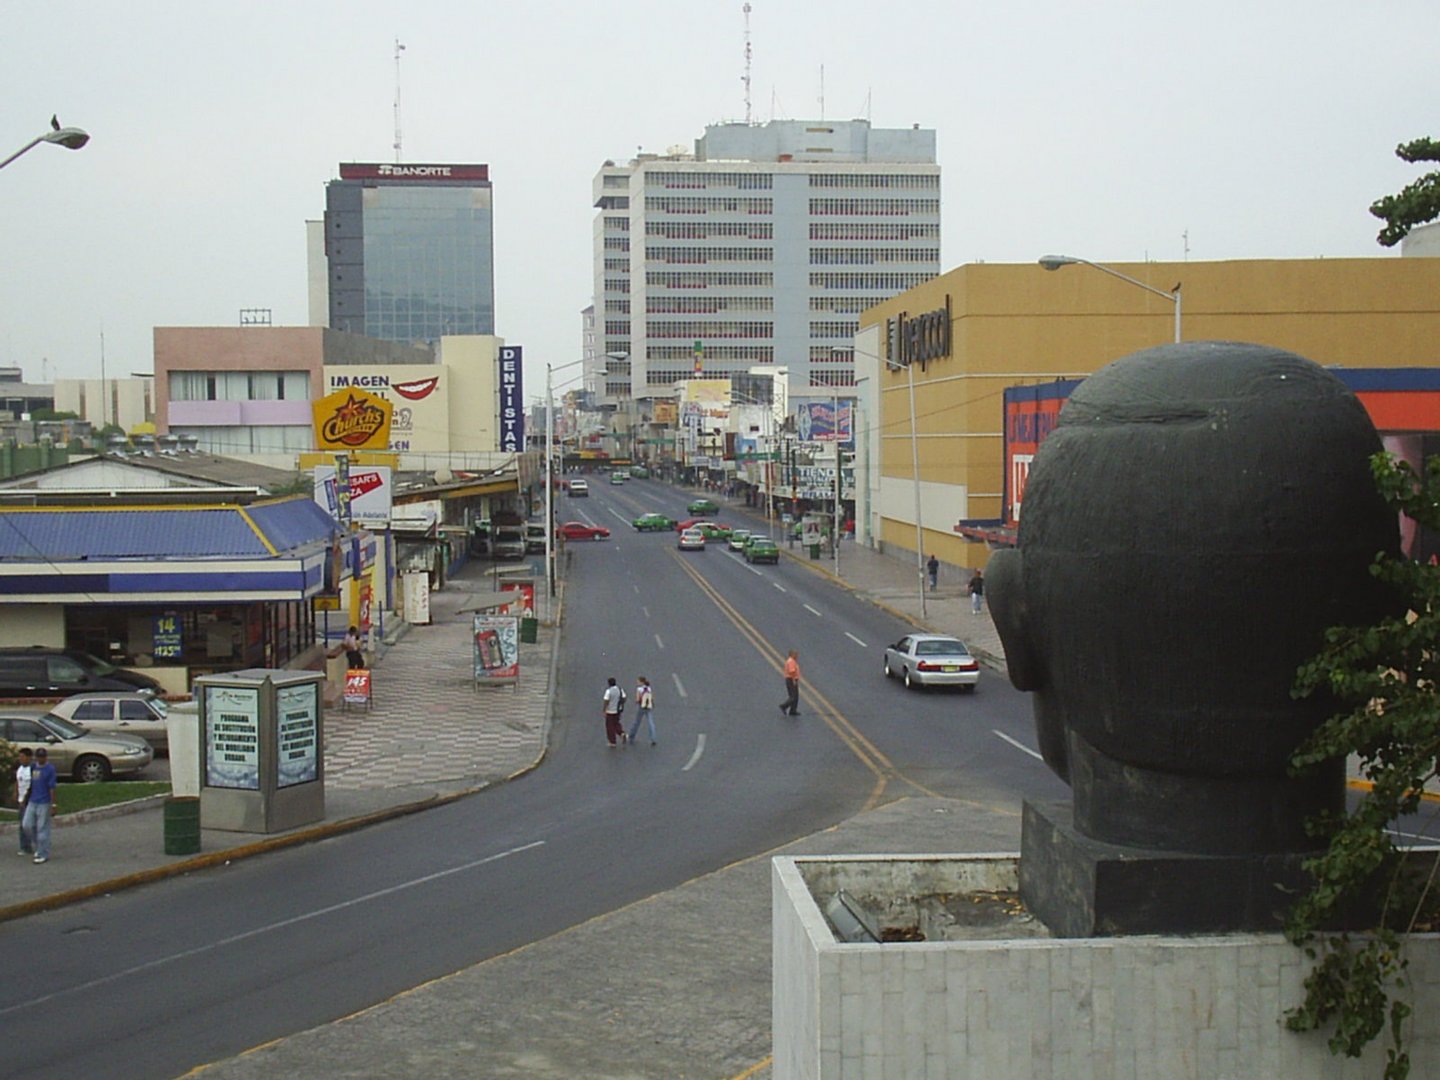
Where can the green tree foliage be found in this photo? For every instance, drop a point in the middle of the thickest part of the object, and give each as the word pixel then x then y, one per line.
pixel 1418 202
pixel 1385 677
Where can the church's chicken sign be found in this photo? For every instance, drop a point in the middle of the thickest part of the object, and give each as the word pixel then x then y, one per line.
pixel 352 419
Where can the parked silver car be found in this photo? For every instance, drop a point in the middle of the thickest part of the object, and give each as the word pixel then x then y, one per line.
pixel 932 660
pixel 74 751
pixel 119 714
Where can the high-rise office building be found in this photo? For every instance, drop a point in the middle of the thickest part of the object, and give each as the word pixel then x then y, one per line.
pixel 409 251
pixel 760 248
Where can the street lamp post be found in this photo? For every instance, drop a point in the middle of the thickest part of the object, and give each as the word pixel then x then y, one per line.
pixel 550 473
pixel 1055 262
pixel 68 137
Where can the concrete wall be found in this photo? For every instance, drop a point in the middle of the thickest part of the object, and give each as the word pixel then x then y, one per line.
pixel 33 624
pixel 1182 1008
pixel 1018 325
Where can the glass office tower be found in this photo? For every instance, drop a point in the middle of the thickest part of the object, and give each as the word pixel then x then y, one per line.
pixel 410 251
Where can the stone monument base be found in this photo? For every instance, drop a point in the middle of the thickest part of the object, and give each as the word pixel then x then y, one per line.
pixel 1079 887
pixel 966 1005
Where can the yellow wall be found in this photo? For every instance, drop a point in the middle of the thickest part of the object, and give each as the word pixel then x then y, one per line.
pixel 1018 325
pixel 473 365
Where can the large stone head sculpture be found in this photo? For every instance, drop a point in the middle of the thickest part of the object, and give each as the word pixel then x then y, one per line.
pixel 1199 516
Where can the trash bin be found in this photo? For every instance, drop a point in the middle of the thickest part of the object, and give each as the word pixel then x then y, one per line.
pixel 529 631
pixel 182 825
pixel 814 551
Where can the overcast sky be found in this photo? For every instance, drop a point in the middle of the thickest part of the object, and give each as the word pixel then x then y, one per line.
pixel 1108 130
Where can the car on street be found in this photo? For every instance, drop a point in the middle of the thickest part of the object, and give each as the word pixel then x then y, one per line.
pixel 932 660
pixel 578 530
pixel 75 752
pixel 118 713
pixel 692 540
pixel 703 506
pixel 579 489
pixel 755 538
pixel 761 551
pixel 535 538
pixel 653 523
pixel 738 538
pixel 639 472
pixel 713 530
pixel 617 477
pixel 37 671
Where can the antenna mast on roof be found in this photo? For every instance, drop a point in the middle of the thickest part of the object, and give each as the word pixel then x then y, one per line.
pixel 398 50
pixel 746 77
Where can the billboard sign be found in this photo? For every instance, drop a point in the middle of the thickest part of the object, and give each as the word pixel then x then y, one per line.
pixel 824 421
pixel 496 648
pixel 351 419
pixel 416 393
pixel 366 170
pixel 512 400
pixel 371 493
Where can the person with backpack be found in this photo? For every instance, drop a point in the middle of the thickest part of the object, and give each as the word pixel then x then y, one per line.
pixel 614 704
pixel 644 709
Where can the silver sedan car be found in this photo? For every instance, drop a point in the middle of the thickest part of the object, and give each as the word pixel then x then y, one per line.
pixel 932 660
pixel 118 713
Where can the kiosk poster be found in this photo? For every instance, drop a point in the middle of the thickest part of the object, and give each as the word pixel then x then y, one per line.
pixel 167 643
pixel 497 648
pixel 526 589
pixel 298 708
pixel 232 737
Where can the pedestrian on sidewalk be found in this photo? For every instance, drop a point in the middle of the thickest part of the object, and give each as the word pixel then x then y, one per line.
pixel 614 704
pixel 977 593
pixel 22 793
pixel 791 705
pixel 40 805
pixel 644 709
pixel 933 569
pixel 354 657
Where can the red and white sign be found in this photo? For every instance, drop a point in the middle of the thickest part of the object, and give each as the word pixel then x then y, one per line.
pixel 370 492
pixel 357 686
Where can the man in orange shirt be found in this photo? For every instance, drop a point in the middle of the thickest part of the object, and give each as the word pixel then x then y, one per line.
pixel 791 705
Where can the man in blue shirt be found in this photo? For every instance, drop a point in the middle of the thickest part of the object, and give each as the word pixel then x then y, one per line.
pixel 40 805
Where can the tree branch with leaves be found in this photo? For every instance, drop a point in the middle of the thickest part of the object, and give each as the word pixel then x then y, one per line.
pixel 1418 202
pixel 1386 677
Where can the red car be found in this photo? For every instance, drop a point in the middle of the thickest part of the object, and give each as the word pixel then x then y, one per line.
pixel 578 530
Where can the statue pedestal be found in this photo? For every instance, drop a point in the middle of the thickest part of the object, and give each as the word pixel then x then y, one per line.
pixel 1079 887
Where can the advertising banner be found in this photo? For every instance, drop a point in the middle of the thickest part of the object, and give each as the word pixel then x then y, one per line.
pixel 1031 413
pixel 419 396
pixel 299 729
pixel 232 737
pixel 357 686
pixel 497 648
pixel 351 419
pixel 512 400
pixel 526 589
pixel 371 493
pixel 166 638
pixel 823 421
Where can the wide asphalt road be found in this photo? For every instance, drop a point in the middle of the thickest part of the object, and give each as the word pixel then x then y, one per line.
pixel 152 982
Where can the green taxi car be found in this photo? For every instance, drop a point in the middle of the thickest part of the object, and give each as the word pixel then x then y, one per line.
pixel 761 550
pixel 713 530
pixel 703 506
pixel 653 523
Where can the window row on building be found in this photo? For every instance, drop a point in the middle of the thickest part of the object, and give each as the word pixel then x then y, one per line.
pixel 617 326
pixel 619 307
pixel 239 386
pixel 876 180
pixel 617 285
pixel 706 305
pixel 874 207
pixel 746 181
pixel 617 264
pixel 709 254
pixel 703 230
pixel 682 279
pixel 844 305
pixel 845 377
pixel 863 230
pixel 758 354
pixel 872 256
pixel 617 243
pixel 717 329
pixel 837 329
pixel 617 224
pixel 697 205
pixel 891 283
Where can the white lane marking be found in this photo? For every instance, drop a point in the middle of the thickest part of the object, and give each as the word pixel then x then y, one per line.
pixel 752 570
pixel 619 515
pixel 856 640
pixel 636 588
pixel 812 611
pixel 779 586
pixel 646 610
pixel 679 686
pixel 699 749
pixel 282 924
pixel 1017 745
pixel 658 642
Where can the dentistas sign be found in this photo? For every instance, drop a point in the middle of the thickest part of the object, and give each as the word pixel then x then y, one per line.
pixel 512 400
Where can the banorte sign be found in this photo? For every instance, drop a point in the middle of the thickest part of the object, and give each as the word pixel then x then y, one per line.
pixel 351 419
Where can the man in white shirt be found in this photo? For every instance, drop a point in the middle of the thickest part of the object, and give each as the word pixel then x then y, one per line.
pixel 22 793
pixel 614 703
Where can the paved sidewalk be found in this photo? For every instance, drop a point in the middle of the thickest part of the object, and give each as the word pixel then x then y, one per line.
pixel 675 986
